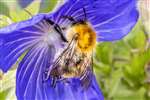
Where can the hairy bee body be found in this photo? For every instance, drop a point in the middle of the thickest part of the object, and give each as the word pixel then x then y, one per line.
pixel 86 36
pixel 76 59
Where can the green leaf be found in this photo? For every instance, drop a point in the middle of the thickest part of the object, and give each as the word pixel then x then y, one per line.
pixel 121 48
pixel 18 14
pixel 104 52
pixel 102 69
pixel 5 9
pixel 4 21
pixel 34 7
pixel 126 94
pixel 3 94
pixel 134 72
pixel 114 83
pixel 137 38
pixel 7 85
pixel 48 5
pixel 8 80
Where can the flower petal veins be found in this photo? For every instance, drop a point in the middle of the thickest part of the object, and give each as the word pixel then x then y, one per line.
pixel 39 56
pixel 16 39
pixel 111 20
pixel 30 83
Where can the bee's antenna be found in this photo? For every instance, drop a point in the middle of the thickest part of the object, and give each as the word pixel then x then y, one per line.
pixel 57 28
pixel 84 13
pixel 69 18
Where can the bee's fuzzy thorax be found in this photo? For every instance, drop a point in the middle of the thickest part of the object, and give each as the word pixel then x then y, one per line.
pixel 86 36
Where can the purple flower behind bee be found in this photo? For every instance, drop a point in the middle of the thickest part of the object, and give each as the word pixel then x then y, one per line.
pixel 59 47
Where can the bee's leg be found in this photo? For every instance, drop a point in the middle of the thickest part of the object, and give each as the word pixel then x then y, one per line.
pixel 54 81
pixel 58 78
pixel 54 76
pixel 86 78
pixel 64 80
pixel 45 76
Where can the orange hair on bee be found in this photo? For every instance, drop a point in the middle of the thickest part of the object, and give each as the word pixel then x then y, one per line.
pixel 86 36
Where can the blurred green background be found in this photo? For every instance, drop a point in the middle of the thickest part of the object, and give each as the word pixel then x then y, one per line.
pixel 122 68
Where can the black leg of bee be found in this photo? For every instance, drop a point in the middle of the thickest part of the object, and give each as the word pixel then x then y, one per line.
pixel 64 80
pixel 45 76
pixel 54 81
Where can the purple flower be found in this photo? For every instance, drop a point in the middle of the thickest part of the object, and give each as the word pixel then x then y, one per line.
pixel 58 48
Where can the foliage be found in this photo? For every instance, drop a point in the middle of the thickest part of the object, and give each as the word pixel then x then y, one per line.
pixel 121 67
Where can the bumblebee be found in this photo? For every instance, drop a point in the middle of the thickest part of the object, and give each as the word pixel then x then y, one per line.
pixel 76 58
